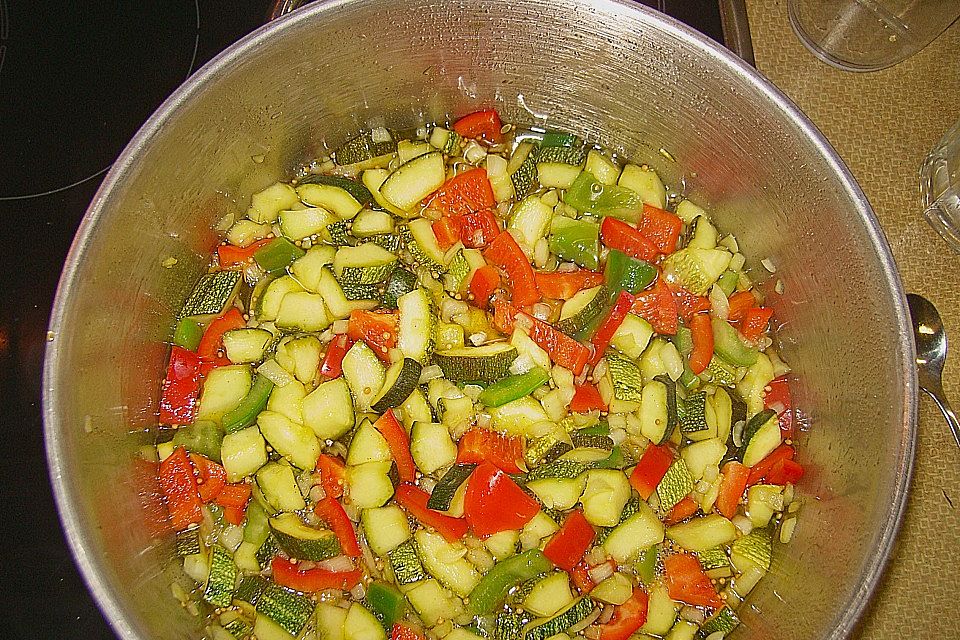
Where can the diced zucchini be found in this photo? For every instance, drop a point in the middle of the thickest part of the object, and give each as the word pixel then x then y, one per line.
pixel 675 485
pixel 367 263
pixel 328 410
pixel 719 414
pixel 300 541
pixel 763 500
pixel 364 374
pixel 304 311
pixel 223 389
pixel 221 579
pixel 433 603
pixel 531 220
pixel 242 453
pixel 212 295
pixel 385 528
pixel 431 446
pixel 723 621
pixel 658 409
pixel 360 624
pixel 414 180
pixel 540 526
pixel 601 167
pixel 415 409
pixel 582 310
pixel 661 611
pixel 557 174
pixel 702 533
pixel 451 481
pixel 266 205
pixel 276 291
pixel 368 445
pixel 415 333
pixel 635 534
pixel 503 544
pixel 203 436
pixel 558 493
pixel 646 182
pixel 616 589
pixel 300 356
pixel 399 382
pixel 550 595
pixel 696 269
pixel 289 609
pixel 291 440
pixel 279 487
pixel 754 549
pixel 703 234
pixel 371 223
pixel 519 416
pixel 444 562
pixel 330 621
pixel 246 345
pixel 486 363
pixel 334 199
pixel 699 456
pixel 605 494
pixel 243 233
pixel 369 484
pixel 632 337
pixel 751 387
pixel 304 223
pixel 405 563
pixel 760 437
pixel 543 629
pixel 626 381
pixel 400 282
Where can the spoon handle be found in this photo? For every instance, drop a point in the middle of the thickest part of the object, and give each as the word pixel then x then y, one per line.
pixel 947 410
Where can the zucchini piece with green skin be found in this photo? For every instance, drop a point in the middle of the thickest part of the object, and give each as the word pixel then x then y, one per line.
pixel 335 296
pixel 723 621
pixel 368 445
pixel 512 387
pixel 646 182
pixel 364 264
pixel 289 609
pixel 459 273
pixel 632 336
pixel 616 589
pixel 406 564
pixel 676 484
pixel 359 192
pixel 720 372
pixel 605 170
pixel 399 382
pixel 238 627
pixel 364 374
pixel 203 436
pixel 328 410
pixel 268 304
pixel 760 437
pixel 637 533
pixel 415 330
pixel 251 588
pixel 391 242
pixel 531 219
pixel 604 496
pixel 486 363
pixel 366 147
pixel 753 549
pixel 188 542
pixel 703 532
pixel 265 205
pixel 338 234
pixel 696 269
pixel 212 295
pixel 433 603
pixel 558 493
pixel 245 413
pixel 305 223
pixel 435 553
pixel 573 614
pixel 304 311
pixel 658 409
pixel 275 256
pixel 491 591
pixel 692 413
pixel 558 469
pixel 279 487
pixel 369 223
pixel 447 486
pixel 368 294
pixel 330 621
pixel 522 168
pixel 431 446
pixel 385 528
pixel 302 542
pixel 293 441
pixel 362 624
pixel 728 344
pixel 223 390
pixel 421 242
pixel 579 312
pixel 508 625
pixel 242 453
pixel 447 141
pixel 661 611
pixel 625 378
pixel 519 416
pixel 400 282
pixel 330 198
pixel 413 181
pixel 370 484
pixel 715 562
pixel 307 270
pixel 222 578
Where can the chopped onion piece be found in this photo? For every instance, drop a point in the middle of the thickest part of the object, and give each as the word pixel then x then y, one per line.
pixel 738 433
pixel 672 360
pixel 600 572
pixel 337 563
pixel 272 371
pixel 340 326
pixel 719 303
pixel 743 523
pixel 768 265
pixel 430 372
pixel 786 530
pixel 692 614
pixel 478 338
pixel 586 622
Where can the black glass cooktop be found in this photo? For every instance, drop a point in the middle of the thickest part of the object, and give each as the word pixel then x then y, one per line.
pixel 77 79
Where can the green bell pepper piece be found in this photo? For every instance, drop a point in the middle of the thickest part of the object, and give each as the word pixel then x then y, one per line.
pixel 512 387
pixel 647 565
pixel 276 256
pixel 188 333
pixel 602 428
pixel 613 461
pixel 589 195
pixel 245 413
pixel 576 240
pixel 386 603
pixel 728 282
pixel 623 272
pixel 492 589
pixel 560 139
pixel 683 341
pixel 257 529
pixel 728 344
pixel 203 437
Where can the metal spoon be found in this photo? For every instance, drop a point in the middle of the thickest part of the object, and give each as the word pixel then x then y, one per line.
pixel 931 342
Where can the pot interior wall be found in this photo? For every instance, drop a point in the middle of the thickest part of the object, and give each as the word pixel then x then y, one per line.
pixel 616 73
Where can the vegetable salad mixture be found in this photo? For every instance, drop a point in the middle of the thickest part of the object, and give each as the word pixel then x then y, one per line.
pixel 477 382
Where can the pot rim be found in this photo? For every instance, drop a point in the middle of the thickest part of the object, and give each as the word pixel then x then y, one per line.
pixel 111 603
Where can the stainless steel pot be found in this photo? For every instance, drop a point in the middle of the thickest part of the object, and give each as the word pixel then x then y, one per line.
pixel 621 74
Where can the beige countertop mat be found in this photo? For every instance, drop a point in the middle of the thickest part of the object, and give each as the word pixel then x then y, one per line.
pixel 882 124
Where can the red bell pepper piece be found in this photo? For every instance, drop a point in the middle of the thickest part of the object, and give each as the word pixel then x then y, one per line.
pixel 212 339
pixel 483 445
pixel 618 234
pixel 403 631
pixel 179 487
pixel 604 333
pixel 657 306
pixel 399 443
pixel 447 231
pixel 478 229
pixel 784 471
pixel 586 398
pixel 377 328
pixel 688 304
pixel 484 282
pixel 234 515
pixel 563 285
pixel 660 227
pixel 687 582
pixel 332 365
pixel 650 469
pixel 732 486
pixel 466 192
pixel 562 349
pixel 581 577
pixel 332 475
pixel 682 510
pixel 287 574
pixel 229 255
pixel 506 254
pixel 181 387
pixel 754 322
pixel 627 618
pixel 414 499
pixel 211 478
pixel 504 313
pixel 702 333
pixel 780 400
pixel 568 545
pixel 234 496
pixel 331 512
pixel 760 470
pixel 740 303
pixel 494 503
pixel 484 124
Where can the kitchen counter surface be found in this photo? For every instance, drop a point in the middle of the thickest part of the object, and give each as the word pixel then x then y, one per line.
pixel 882 124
